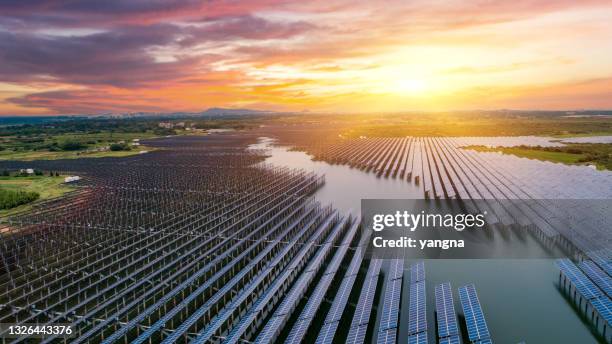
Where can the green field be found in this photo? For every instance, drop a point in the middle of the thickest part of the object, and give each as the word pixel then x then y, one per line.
pixel 89 153
pixel 598 154
pixel 46 186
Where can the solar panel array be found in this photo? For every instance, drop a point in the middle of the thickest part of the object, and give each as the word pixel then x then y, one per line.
pixel 445 312
pixel 592 284
pixel 578 279
pixel 444 169
pixel 474 317
pixel 417 308
pixel 198 242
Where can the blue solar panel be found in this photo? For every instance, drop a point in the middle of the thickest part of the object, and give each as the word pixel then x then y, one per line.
pixel 357 334
pixel 450 340
pixel 445 311
pixel 327 333
pixel 417 319
pixel 388 336
pixel 364 307
pixel 361 318
pixel 396 269
pixel 601 279
pixel 474 317
pixel 419 338
pixel 391 305
pixel 484 341
pixel 417 272
pixel 603 305
pixel 581 282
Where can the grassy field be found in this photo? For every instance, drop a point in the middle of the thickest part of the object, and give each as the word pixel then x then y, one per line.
pixel 476 123
pixel 531 153
pixel 47 155
pixel 598 154
pixel 46 186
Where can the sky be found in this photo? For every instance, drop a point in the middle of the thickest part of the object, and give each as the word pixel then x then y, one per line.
pixel 115 56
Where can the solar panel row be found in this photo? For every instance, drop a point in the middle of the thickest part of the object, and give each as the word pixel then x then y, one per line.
pixel 445 311
pixel 474 317
pixel 389 320
pixel 603 305
pixel 298 332
pixel 418 338
pixel 417 308
pixel 601 279
pixel 578 279
pixel 361 318
pixel 417 272
pixel 417 317
pixel 332 319
pixel 594 285
pixel 450 340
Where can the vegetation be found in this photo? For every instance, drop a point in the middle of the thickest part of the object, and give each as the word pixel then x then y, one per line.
pixel 19 191
pixel 599 154
pixel 67 138
pixel 475 123
pixel 11 199
pixel 117 147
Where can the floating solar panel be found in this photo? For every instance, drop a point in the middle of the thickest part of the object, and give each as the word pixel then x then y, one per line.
pixel 417 272
pixel 390 312
pixel 418 338
pixel 417 317
pixel 581 282
pixel 601 279
pixel 445 311
pixel 603 305
pixel 357 334
pixel 361 318
pixel 484 341
pixel 396 269
pixel 450 340
pixel 388 336
pixel 474 317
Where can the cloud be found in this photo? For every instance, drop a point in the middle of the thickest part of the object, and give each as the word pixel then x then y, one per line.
pixel 123 56
pixel 204 53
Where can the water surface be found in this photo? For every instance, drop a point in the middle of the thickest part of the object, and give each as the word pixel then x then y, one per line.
pixel 519 297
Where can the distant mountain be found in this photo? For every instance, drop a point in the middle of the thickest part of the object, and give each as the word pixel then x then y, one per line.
pixel 234 112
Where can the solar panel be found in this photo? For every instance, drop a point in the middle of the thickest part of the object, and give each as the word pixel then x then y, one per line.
pixel 582 283
pixel 388 336
pixel 450 340
pixel 603 305
pixel 327 333
pixel 364 307
pixel 417 319
pixel 391 305
pixel 418 338
pixel 357 334
pixel 474 317
pixel 601 279
pixel 361 318
pixel 396 269
pixel 445 311
pixel 417 272
pixel 484 341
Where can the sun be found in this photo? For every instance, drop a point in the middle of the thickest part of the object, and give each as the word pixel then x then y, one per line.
pixel 412 86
